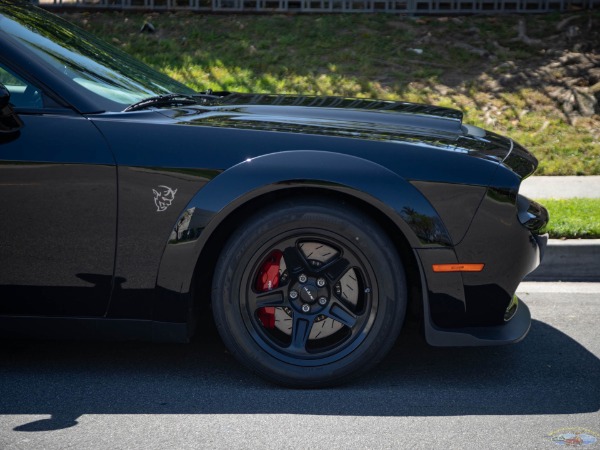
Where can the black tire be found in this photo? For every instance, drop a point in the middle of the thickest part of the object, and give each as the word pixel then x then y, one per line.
pixel 346 328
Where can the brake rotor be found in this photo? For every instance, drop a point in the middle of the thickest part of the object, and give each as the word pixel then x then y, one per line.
pixel 274 271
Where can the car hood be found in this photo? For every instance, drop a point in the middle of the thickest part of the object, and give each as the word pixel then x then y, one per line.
pixel 374 120
pixel 339 109
pixel 334 116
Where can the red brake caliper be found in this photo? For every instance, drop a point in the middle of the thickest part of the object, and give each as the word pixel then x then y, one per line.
pixel 268 279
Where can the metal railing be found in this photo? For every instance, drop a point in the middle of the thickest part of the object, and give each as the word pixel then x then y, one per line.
pixel 416 7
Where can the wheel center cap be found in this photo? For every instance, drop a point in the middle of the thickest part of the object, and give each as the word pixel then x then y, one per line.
pixel 308 293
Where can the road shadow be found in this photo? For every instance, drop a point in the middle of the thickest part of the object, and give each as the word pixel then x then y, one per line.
pixel 547 373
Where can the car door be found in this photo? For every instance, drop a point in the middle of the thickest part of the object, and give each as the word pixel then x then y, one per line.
pixel 58 203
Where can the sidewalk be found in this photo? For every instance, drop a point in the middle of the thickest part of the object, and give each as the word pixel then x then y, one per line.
pixel 561 187
pixel 571 259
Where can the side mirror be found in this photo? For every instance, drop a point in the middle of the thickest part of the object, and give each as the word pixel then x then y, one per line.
pixel 4 96
pixel 9 120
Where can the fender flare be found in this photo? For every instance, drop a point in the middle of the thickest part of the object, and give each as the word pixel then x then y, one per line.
pixel 395 197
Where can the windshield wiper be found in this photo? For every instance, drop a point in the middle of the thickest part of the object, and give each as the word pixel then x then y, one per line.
pixel 201 98
pixel 162 100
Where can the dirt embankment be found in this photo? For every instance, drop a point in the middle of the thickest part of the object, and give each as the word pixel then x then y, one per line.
pixel 569 66
pixel 561 60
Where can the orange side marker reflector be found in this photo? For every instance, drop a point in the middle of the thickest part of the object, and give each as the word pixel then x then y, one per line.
pixel 458 267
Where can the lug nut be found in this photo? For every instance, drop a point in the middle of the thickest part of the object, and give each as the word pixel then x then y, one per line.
pixel 293 295
pixel 302 278
pixel 321 282
pixel 322 301
pixel 306 308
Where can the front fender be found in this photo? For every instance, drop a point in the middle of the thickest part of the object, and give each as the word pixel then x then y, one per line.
pixel 363 179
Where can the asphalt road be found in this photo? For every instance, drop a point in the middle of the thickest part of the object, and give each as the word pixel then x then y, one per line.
pixel 75 395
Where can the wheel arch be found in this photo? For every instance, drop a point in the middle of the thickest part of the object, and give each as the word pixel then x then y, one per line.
pixel 210 252
pixel 242 190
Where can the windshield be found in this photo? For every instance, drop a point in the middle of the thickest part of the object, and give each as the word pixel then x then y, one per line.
pixel 86 60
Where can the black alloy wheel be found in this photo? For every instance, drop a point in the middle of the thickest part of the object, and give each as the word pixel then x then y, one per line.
pixel 309 294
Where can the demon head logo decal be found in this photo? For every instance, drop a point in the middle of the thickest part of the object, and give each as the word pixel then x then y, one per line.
pixel 163 197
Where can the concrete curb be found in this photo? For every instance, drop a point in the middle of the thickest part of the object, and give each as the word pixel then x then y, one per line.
pixel 569 260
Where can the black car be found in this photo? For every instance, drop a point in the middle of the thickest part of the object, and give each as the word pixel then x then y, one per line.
pixel 132 204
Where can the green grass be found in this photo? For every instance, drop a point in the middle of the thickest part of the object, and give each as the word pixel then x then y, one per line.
pixel 573 218
pixel 372 55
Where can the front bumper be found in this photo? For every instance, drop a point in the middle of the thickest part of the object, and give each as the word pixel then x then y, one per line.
pixel 477 308
pixel 508 333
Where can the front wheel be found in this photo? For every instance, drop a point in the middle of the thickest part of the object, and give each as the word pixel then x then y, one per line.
pixel 309 294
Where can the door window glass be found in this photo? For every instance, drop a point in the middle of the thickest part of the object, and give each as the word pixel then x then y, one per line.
pixel 23 95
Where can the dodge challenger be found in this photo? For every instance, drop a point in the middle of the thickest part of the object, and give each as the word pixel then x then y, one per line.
pixel 308 226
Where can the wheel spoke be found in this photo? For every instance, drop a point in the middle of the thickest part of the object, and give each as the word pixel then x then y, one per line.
pixel 342 314
pixel 300 333
pixel 294 260
pixel 264 299
pixel 336 270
